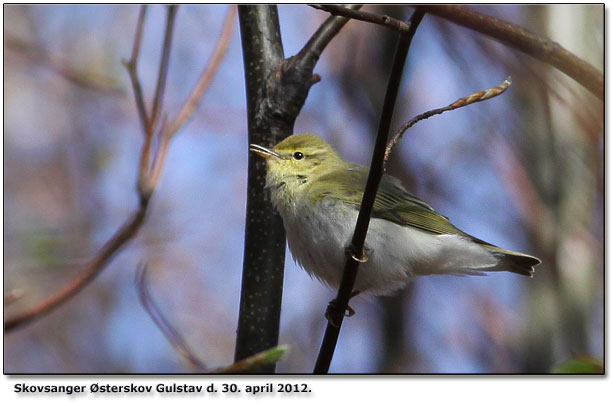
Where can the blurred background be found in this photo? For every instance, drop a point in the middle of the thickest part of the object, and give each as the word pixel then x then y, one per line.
pixel 523 171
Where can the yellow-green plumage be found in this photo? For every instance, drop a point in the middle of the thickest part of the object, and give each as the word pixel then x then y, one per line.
pixel 318 194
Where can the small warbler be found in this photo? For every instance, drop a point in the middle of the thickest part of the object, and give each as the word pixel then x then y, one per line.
pixel 318 195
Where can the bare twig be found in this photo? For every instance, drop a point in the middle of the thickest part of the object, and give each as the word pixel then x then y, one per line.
pixel 384 20
pixel 91 270
pixel 175 339
pixel 147 182
pixel 131 65
pixel 145 187
pixel 462 102
pixel 276 91
pixel 326 31
pixel 337 310
pixel 163 71
pixel 508 34
pixel 208 73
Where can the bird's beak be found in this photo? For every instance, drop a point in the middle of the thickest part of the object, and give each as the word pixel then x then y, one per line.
pixel 263 151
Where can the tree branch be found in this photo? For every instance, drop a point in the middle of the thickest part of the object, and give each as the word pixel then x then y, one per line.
pixel 148 179
pixel 90 271
pixel 262 280
pixel 506 33
pixel 525 41
pixel 208 73
pixel 383 20
pixel 336 311
pixel 324 34
pixel 276 91
pixel 462 102
pixel 131 66
pixel 175 339
pixel 163 70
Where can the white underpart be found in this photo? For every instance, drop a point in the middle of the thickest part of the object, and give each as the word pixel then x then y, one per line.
pixel 318 243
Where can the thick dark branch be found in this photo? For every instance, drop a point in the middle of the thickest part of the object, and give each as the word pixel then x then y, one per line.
pixel 518 38
pixel 276 91
pixel 336 312
pixel 262 281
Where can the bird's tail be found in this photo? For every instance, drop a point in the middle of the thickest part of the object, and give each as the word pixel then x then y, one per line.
pixel 511 261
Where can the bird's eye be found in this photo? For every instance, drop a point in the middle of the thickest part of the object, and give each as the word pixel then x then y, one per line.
pixel 298 156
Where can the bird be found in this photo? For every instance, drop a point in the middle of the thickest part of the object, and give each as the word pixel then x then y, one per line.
pixel 318 195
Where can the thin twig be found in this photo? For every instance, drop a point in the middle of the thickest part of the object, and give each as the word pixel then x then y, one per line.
pixel 208 72
pixel 131 65
pixel 511 35
pixel 326 32
pixel 175 339
pixel 120 238
pixel 91 270
pixel 336 311
pixel 163 71
pixel 190 104
pixel 462 102
pixel 384 20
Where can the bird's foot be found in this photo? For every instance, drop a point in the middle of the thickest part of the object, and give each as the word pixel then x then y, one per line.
pixel 363 258
pixel 333 308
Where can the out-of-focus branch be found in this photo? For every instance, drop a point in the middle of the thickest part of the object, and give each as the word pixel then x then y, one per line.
pixel 525 41
pixel 12 296
pixel 208 73
pixel 82 79
pixel 508 34
pixel 148 179
pixel 190 104
pixel 251 363
pixel 337 309
pixel 163 71
pixel 462 102
pixel 89 272
pixel 175 339
pixel 131 65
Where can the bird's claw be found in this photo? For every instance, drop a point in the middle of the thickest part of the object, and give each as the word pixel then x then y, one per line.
pixel 333 305
pixel 353 256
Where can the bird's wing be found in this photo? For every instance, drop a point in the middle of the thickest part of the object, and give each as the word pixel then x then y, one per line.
pixel 393 202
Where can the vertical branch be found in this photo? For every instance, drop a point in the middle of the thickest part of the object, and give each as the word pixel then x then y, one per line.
pixel 163 71
pixel 276 91
pixel 264 256
pixel 131 65
pixel 336 312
